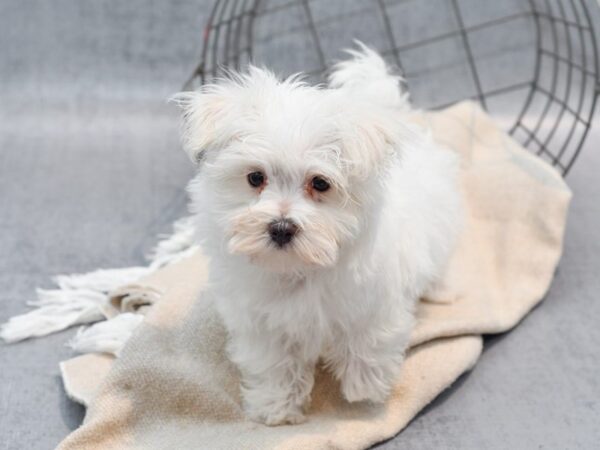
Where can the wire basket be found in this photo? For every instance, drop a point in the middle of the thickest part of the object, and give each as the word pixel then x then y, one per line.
pixel 532 64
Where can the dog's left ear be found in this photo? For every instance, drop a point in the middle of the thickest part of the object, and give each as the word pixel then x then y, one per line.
pixel 370 135
pixel 207 118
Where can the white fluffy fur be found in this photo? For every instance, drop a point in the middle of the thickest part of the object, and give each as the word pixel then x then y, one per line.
pixel 344 290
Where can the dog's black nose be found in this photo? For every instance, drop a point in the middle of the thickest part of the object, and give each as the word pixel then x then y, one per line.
pixel 282 231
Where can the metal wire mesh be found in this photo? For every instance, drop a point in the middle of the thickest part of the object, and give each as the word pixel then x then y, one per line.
pixel 533 64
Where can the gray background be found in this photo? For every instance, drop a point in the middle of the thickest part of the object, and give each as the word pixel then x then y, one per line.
pixel 91 171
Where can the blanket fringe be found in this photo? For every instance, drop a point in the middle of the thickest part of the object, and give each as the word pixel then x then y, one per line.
pixel 57 310
pixel 174 247
pixel 108 336
pixel 82 298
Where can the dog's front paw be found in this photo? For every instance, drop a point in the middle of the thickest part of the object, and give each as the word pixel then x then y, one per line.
pixel 365 382
pixel 276 416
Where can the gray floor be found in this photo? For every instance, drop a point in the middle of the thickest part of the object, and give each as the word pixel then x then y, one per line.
pixel 90 172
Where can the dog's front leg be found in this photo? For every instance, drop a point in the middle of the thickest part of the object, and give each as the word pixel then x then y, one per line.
pixel 277 377
pixel 367 362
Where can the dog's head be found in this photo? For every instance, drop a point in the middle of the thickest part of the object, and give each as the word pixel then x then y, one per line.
pixel 288 173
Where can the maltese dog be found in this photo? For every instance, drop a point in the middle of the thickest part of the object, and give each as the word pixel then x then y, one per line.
pixel 326 215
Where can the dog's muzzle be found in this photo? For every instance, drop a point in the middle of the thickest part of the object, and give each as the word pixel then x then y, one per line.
pixel 282 231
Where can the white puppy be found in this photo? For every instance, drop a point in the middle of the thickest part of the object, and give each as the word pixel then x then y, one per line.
pixel 326 215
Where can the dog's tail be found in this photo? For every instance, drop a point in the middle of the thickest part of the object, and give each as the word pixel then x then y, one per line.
pixel 366 73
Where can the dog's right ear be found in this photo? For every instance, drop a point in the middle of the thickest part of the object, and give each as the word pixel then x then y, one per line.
pixel 207 116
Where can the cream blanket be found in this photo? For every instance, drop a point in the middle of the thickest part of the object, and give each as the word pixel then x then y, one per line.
pixel 173 388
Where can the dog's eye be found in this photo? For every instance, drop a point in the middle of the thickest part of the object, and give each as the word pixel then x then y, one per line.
pixel 320 184
pixel 256 179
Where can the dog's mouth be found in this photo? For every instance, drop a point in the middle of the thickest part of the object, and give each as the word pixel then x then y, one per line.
pixel 300 252
pixel 283 244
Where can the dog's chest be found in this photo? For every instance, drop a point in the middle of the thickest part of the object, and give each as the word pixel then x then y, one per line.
pixel 313 307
